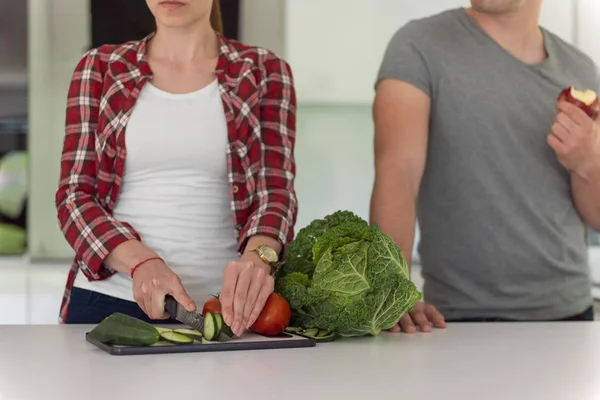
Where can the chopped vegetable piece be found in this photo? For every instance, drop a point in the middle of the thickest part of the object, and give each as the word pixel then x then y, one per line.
pixel 319 335
pixel 312 332
pixel 193 334
pixel 163 343
pixel 219 322
pixel 227 330
pixel 210 327
pixel 176 338
pixel 323 333
pixel 330 337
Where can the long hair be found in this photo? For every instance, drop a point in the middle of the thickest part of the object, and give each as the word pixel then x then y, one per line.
pixel 216 19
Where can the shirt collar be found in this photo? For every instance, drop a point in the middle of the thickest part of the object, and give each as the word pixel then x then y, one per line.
pixel 227 54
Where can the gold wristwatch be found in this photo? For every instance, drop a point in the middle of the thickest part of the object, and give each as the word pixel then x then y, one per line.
pixel 268 255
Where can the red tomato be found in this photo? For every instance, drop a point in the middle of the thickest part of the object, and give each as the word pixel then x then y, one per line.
pixel 274 317
pixel 213 305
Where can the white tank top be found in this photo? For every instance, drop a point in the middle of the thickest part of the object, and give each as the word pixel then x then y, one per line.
pixel 175 190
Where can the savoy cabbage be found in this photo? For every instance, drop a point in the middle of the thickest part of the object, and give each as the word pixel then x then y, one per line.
pixel 342 275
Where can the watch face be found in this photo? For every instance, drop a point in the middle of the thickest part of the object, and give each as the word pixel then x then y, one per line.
pixel 269 254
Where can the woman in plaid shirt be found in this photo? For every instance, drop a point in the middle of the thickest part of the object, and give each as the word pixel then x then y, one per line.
pixel 177 171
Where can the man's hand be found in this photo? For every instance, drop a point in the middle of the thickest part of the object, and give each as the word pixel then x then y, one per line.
pixel 575 138
pixel 423 316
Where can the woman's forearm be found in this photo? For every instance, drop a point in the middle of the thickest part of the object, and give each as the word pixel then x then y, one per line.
pixel 127 255
pixel 258 240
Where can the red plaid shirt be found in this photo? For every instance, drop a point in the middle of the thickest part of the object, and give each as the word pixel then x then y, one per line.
pixel 260 105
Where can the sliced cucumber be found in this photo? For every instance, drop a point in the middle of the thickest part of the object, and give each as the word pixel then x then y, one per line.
pixel 160 329
pixel 210 327
pixel 163 343
pixel 325 336
pixel 176 338
pixel 311 332
pixel 227 330
pixel 319 335
pixel 220 323
pixel 293 329
pixel 195 335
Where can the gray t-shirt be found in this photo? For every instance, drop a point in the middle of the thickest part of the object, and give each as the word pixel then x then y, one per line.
pixel 500 236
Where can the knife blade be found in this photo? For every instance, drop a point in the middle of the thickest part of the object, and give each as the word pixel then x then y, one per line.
pixel 190 318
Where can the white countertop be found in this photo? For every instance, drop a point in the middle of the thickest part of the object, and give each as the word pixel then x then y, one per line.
pixel 468 362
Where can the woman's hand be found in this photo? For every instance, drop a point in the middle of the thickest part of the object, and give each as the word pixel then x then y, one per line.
pixel 152 281
pixel 423 316
pixel 247 285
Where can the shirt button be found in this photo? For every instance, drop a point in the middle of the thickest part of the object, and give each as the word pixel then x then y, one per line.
pixel 235 188
pixel 239 227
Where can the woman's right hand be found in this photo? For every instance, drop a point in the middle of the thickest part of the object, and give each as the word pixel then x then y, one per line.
pixel 152 281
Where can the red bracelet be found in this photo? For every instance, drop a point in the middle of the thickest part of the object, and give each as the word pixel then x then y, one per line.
pixel 143 262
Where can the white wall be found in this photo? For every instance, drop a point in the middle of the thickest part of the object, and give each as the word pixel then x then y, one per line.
pixel 335 46
pixel 588 28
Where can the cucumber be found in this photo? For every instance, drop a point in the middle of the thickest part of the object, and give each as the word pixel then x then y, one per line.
pixel 293 329
pixel 122 330
pixel 319 335
pixel 311 332
pixel 227 330
pixel 325 336
pixel 220 323
pixel 176 338
pixel 193 334
pixel 160 329
pixel 323 333
pixel 163 343
pixel 210 327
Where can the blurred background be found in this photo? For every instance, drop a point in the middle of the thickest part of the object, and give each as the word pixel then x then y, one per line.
pixel 41 41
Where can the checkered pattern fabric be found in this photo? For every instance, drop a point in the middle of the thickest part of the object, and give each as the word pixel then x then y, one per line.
pixel 260 105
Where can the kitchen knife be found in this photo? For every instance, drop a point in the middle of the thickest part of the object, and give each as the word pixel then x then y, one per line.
pixel 190 318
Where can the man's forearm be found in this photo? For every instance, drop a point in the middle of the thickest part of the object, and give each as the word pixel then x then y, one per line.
pixel 586 196
pixel 393 209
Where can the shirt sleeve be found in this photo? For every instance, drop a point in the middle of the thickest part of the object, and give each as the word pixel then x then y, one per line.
pixel 87 226
pixel 274 209
pixel 404 60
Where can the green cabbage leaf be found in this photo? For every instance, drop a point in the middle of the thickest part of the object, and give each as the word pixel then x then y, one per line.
pixel 342 275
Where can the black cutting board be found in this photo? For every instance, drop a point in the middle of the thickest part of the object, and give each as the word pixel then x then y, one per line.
pixel 250 341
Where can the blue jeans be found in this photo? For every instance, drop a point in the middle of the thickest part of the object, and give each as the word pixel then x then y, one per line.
pixel 89 307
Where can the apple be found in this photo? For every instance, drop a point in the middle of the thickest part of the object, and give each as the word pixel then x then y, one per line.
pixel 587 101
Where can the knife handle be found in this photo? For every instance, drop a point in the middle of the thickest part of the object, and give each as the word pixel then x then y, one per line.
pixel 171 305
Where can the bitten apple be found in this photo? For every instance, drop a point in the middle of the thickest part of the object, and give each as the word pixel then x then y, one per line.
pixel 587 101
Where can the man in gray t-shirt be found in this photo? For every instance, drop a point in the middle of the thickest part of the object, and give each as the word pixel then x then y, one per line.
pixel 470 138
